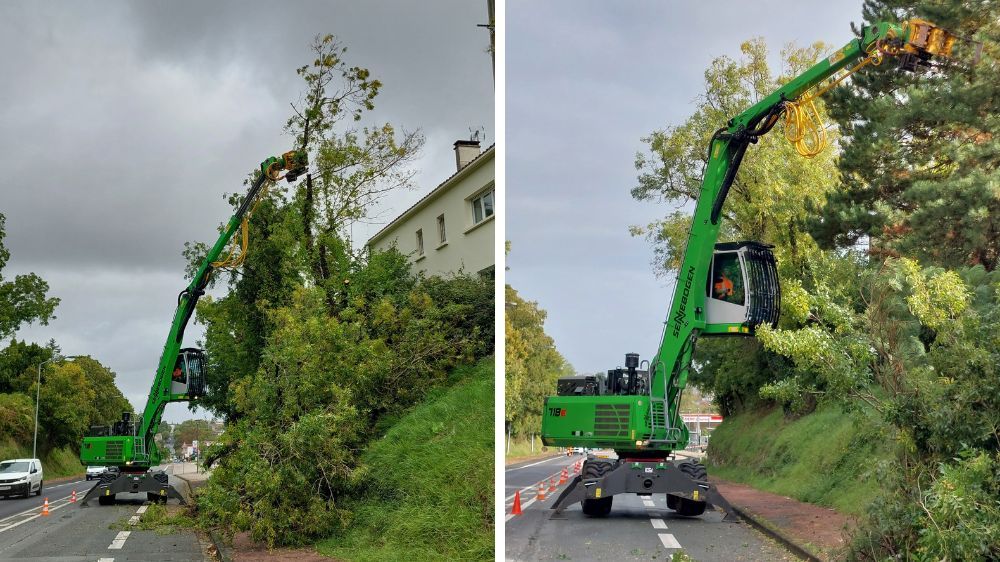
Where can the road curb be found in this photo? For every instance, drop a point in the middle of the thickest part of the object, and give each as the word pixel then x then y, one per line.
pixel 757 523
pixel 220 549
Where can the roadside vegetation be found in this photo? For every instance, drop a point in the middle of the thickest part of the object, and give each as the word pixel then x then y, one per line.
pixel 321 352
pixel 533 365
pixel 884 367
pixel 73 396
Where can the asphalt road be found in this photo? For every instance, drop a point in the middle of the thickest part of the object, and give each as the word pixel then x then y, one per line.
pixel 73 533
pixel 638 528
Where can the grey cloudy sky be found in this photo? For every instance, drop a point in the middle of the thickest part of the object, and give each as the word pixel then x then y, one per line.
pixel 585 81
pixel 123 124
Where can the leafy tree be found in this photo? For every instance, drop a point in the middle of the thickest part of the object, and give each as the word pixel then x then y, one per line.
pixel 22 300
pixel 532 364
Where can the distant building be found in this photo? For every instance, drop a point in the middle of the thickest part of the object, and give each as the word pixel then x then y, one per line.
pixel 450 229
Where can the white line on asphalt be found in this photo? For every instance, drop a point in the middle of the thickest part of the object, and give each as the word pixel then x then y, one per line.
pixel 133 520
pixel 669 541
pixel 36 516
pixel 523 507
pixel 142 509
pixel 119 541
pixel 535 463
pixel 26 511
pixel 105 560
pixel 658 523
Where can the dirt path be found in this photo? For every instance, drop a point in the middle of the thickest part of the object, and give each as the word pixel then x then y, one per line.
pixel 820 529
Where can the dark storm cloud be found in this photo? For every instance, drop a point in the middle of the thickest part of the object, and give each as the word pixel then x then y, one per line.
pixel 123 124
pixel 585 82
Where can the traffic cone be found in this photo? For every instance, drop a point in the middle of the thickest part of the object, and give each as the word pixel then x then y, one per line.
pixel 72 499
pixel 45 508
pixel 540 496
pixel 517 504
pixel 562 477
pixel 552 484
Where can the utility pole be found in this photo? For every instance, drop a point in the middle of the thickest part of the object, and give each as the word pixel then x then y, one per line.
pixel 38 392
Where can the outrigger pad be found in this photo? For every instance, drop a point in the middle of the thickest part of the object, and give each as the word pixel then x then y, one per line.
pixel 626 478
pixel 148 482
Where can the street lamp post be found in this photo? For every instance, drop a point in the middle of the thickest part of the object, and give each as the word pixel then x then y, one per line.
pixel 38 391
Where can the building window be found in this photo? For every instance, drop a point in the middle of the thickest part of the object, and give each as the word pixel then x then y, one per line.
pixel 482 207
pixel 420 241
pixel 442 235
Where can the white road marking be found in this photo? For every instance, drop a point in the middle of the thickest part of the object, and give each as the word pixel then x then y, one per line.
pixel 535 463
pixel 142 509
pixel 105 560
pixel 36 516
pixel 648 502
pixel 669 541
pixel 119 541
pixel 658 523
pixel 523 507
pixel 133 520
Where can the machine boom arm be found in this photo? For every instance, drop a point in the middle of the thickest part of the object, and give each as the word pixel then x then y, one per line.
pixel 686 319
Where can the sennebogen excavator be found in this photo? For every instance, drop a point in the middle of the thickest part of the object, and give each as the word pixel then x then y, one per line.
pixel 723 289
pixel 127 446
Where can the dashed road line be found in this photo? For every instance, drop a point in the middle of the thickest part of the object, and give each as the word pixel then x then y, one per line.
pixel 669 541
pixel 658 523
pixel 105 560
pixel 119 541
pixel 142 509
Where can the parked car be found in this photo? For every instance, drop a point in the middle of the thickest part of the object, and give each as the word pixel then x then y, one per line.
pixel 21 477
pixel 95 471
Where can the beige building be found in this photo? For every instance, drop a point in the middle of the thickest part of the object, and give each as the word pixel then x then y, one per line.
pixel 451 228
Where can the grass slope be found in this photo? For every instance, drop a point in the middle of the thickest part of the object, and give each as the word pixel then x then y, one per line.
pixel 429 482
pixel 57 463
pixel 825 457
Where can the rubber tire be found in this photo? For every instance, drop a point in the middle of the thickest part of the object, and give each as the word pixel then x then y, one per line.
pixel 41 484
pixel 106 500
pixel 597 507
pixel 684 506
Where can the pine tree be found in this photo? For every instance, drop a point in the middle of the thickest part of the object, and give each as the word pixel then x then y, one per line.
pixel 920 159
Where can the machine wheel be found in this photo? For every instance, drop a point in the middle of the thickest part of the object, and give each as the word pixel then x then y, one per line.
pixel 106 500
pixel 684 506
pixel 597 507
pixel 41 483
pixel 695 470
pixel 155 498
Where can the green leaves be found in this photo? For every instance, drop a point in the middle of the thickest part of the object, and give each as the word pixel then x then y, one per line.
pixel 23 300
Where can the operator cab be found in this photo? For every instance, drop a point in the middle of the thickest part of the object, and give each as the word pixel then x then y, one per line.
pixel 743 290
pixel 188 376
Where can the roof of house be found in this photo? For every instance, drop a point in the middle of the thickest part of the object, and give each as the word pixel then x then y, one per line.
pixel 474 163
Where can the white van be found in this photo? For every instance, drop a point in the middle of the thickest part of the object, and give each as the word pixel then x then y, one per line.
pixel 21 477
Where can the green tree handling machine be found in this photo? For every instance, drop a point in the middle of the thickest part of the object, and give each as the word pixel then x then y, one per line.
pixel 127 445
pixel 726 289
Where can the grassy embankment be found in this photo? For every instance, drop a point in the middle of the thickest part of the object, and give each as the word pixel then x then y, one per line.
pixel 430 491
pixel 57 463
pixel 826 457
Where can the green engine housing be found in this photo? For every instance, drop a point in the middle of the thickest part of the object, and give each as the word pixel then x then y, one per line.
pixel 622 423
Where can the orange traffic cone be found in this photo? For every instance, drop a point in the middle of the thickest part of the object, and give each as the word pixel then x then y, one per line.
pixel 552 484
pixel 45 508
pixel 540 496
pixel 72 499
pixel 562 477
pixel 516 510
